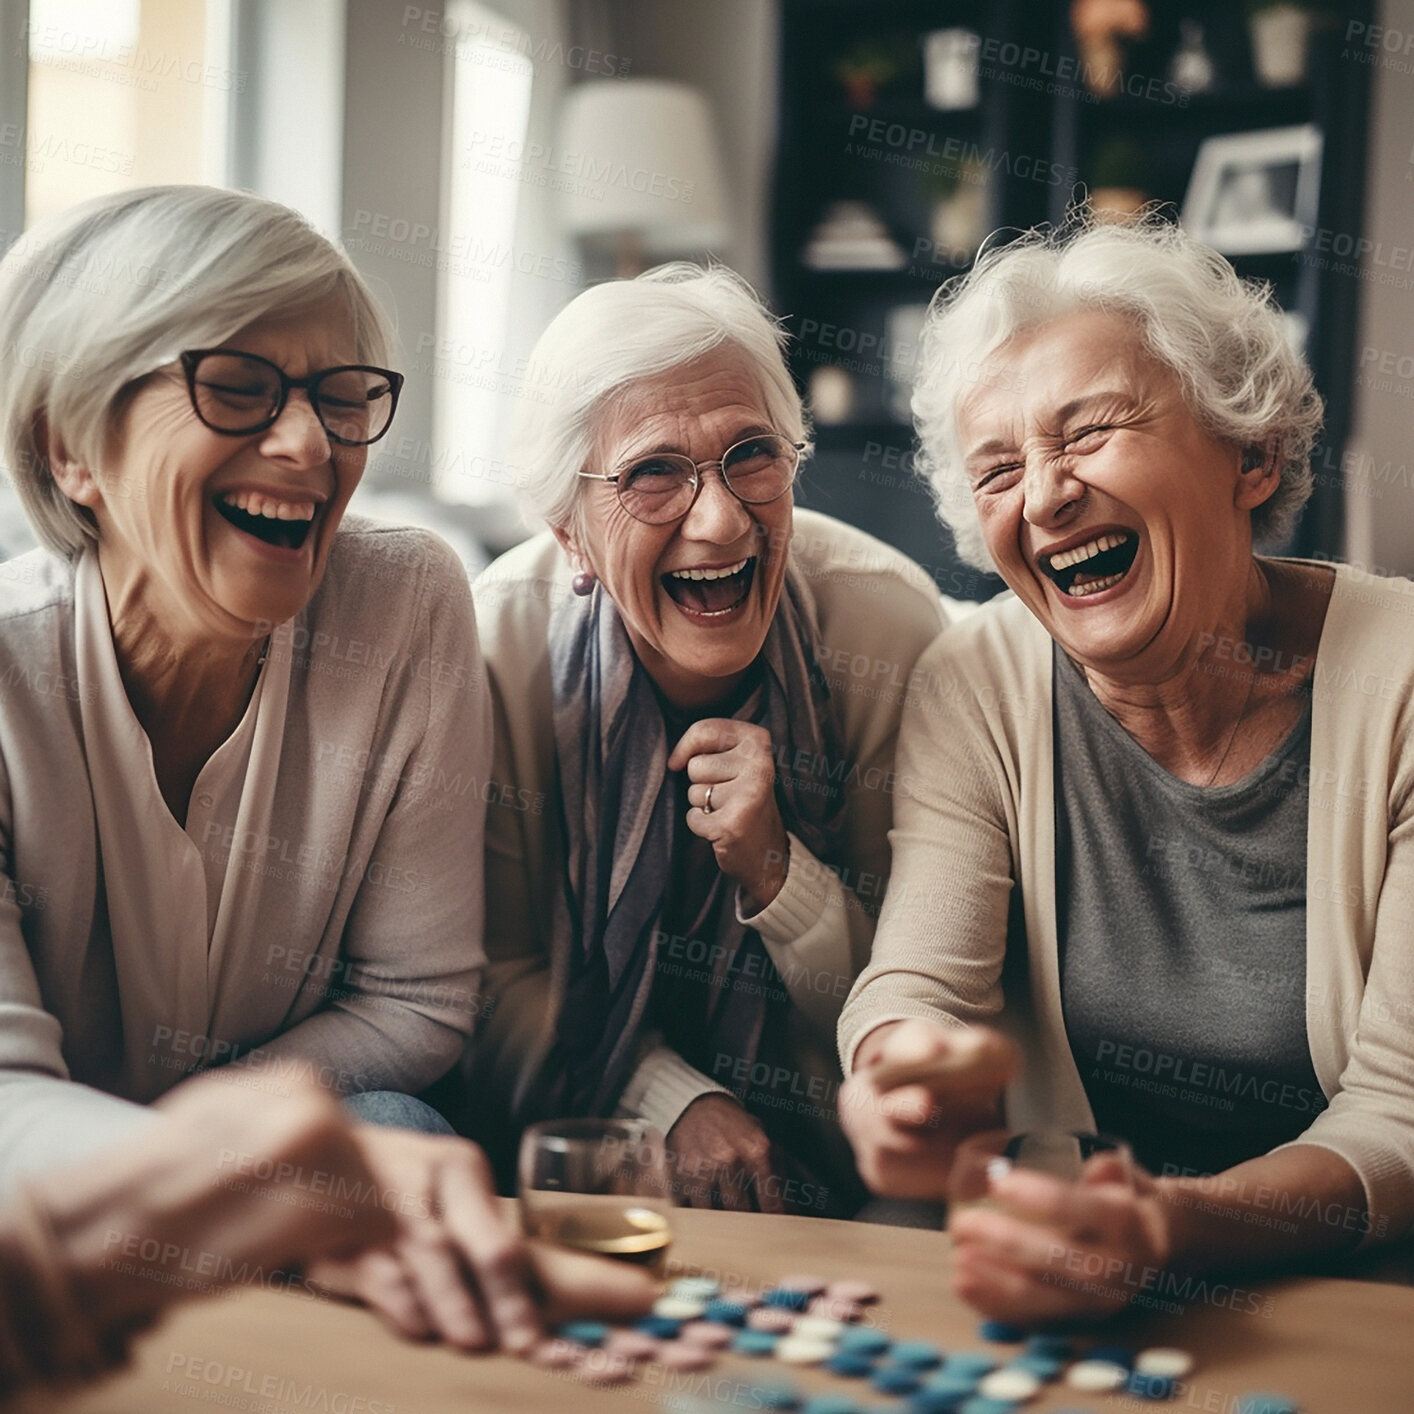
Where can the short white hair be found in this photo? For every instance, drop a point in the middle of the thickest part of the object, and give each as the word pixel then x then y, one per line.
pixel 1223 337
pixel 115 288
pixel 619 333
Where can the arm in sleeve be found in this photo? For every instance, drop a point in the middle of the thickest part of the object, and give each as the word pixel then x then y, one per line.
pixel 413 941
pixel 942 931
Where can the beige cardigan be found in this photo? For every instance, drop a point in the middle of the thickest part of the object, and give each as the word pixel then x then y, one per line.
pixel 877 611
pixel 985 817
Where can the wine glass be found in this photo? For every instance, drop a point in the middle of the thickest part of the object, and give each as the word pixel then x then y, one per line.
pixel 598 1185
pixel 983 1158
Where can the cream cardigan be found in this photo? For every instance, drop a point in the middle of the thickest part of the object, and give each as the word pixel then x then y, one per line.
pixel 877 611
pixel 984 816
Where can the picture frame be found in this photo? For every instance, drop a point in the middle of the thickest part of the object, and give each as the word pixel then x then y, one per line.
pixel 1255 193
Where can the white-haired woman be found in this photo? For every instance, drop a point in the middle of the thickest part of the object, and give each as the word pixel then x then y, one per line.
pixel 1165 843
pixel 696 700
pixel 241 735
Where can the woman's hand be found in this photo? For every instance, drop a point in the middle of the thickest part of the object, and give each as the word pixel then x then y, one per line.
pixel 1053 1250
pixel 722 1158
pixel 735 761
pixel 918 1089
pixel 454 1269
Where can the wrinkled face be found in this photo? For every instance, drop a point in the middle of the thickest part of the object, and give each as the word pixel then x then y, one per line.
pixel 1123 524
pixel 226 536
pixel 695 635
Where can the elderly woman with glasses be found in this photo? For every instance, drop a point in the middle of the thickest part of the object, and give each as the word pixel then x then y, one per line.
pixel 696 693
pixel 242 736
pixel 1157 868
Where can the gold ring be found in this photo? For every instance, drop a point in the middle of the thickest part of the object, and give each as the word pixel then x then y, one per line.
pixel 707 803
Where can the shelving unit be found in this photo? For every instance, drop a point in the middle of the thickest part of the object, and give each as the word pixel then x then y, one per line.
pixel 1034 133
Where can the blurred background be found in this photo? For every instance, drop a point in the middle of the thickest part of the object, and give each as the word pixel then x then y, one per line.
pixel 484 160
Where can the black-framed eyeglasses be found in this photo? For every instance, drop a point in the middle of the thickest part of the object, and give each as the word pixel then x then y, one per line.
pixel 238 393
pixel 665 486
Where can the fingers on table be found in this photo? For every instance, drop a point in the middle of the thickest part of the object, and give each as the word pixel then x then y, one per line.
pixel 575 1284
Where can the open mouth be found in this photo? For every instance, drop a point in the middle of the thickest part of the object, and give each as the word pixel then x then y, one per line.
pixel 284 524
pixel 709 593
pixel 1095 566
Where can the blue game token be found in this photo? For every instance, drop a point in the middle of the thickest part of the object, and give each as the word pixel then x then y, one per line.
pixel 980 1404
pixel 954 1387
pixel 1266 1404
pixel 1044 1367
pixel 1151 1386
pixel 786 1300
pixel 830 1404
pixel 755 1343
pixel 728 1313
pixel 773 1397
pixel 1001 1332
pixel 860 1340
pixel 930 1401
pixel 659 1327
pixel 590 1333
pixel 848 1364
pixel 1120 1355
pixel 896 1379
pixel 971 1364
pixel 1056 1347
pixel 915 1354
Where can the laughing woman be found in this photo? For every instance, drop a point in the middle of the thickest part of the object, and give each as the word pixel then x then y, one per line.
pixel 228 715
pixel 697 692
pixel 1167 846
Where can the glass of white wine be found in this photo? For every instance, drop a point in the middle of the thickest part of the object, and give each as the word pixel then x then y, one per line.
pixel 598 1185
pixel 1062 1153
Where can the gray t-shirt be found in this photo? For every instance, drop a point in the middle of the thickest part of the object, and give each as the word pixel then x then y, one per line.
pixel 1181 918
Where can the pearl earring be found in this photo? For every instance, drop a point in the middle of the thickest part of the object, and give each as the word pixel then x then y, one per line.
pixel 583 583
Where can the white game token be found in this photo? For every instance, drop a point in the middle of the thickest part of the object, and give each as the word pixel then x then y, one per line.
pixel 1016 1385
pixel 818 1328
pixel 796 1350
pixel 1162 1360
pixel 1096 1376
pixel 677 1308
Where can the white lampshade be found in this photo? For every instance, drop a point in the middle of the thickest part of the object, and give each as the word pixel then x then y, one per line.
pixel 639 157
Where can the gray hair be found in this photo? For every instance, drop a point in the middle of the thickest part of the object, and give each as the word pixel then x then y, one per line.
pixel 115 288
pixel 1223 337
pixel 619 333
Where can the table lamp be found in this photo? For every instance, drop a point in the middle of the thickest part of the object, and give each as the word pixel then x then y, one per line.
pixel 639 166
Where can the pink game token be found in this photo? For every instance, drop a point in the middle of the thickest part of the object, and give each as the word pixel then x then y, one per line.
pixel 811 1286
pixel 556 1354
pixel 836 1309
pixel 853 1290
pixel 601 1369
pixel 770 1318
pixel 632 1345
pixel 685 1355
pixel 710 1335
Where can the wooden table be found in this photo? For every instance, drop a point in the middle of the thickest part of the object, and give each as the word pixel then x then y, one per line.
pixel 1338 1347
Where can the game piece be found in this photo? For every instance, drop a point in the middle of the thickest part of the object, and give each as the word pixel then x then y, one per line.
pixel 972 1364
pixel 1056 1347
pixel 785 1300
pixel 755 1343
pixel 861 1340
pixel 819 1328
pixel 1163 1360
pixel 896 1379
pixel 590 1333
pixel 659 1327
pixel 853 1290
pixel 980 1404
pixel 954 1387
pixel 770 1318
pixel 1044 1367
pixel 728 1313
pixel 601 1369
pixel 1266 1404
pixel 556 1353
pixel 632 1345
pixel 1096 1376
pixel 811 1286
pixel 1000 1332
pixel 798 1350
pixel 848 1364
pixel 1150 1386
pixel 1010 1384
pixel 711 1334
pixel 915 1354
pixel 677 1308
pixel 836 1308
pixel 773 1397
pixel 696 1289
pixel 928 1401
pixel 684 1355
pixel 830 1404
